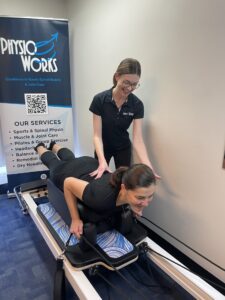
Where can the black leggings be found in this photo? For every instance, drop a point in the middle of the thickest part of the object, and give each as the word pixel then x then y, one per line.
pixel 65 164
pixel 52 161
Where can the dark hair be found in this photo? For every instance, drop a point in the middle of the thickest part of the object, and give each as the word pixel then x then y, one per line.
pixel 128 66
pixel 136 176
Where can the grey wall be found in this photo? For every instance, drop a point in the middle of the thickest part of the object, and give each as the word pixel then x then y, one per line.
pixel 181 47
pixel 32 8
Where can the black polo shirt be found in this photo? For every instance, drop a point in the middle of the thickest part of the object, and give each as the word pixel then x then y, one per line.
pixel 100 195
pixel 115 122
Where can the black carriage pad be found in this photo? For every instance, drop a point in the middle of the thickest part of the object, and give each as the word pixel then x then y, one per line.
pixel 111 248
pixel 34 185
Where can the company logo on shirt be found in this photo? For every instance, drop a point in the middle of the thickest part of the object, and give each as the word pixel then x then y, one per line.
pixel 35 56
pixel 128 114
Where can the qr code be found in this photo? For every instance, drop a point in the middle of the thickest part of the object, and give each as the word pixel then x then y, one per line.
pixel 36 104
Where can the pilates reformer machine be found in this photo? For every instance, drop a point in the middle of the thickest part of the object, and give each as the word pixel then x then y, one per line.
pixel 112 242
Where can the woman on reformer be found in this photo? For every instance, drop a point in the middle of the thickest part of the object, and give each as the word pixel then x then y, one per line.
pixel 133 185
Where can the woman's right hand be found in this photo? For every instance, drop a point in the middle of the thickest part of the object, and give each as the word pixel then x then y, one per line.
pixel 101 169
pixel 76 228
pixel 156 175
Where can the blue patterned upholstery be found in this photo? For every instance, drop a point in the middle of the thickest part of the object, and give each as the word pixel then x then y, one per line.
pixel 113 243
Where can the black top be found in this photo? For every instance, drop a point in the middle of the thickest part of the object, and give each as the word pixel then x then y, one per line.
pixel 99 194
pixel 115 122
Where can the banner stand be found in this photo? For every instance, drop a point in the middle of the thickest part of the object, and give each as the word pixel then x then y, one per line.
pixel 35 96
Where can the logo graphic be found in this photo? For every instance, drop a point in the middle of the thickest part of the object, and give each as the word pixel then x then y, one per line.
pixel 35 56
pixel 47 48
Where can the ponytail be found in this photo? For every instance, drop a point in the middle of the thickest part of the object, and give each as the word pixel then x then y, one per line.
pixel 117 175
pixel 136 176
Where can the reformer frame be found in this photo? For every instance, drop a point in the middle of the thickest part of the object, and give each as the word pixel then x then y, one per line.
pixel 197 287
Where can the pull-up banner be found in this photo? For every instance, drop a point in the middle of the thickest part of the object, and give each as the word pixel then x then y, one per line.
pixel 35 97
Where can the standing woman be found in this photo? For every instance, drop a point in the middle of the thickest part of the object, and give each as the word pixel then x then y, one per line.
pixel 113 112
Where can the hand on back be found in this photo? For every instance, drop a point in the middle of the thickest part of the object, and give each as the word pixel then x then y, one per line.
pixel 101 169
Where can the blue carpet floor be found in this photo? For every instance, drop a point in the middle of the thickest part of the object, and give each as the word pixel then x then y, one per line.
pixel 26 265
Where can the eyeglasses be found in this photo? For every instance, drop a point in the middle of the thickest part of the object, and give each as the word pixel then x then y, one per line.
pixel 127 84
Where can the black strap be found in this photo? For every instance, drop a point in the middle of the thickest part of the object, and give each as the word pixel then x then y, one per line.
pixel 59 290
pixel 59 281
